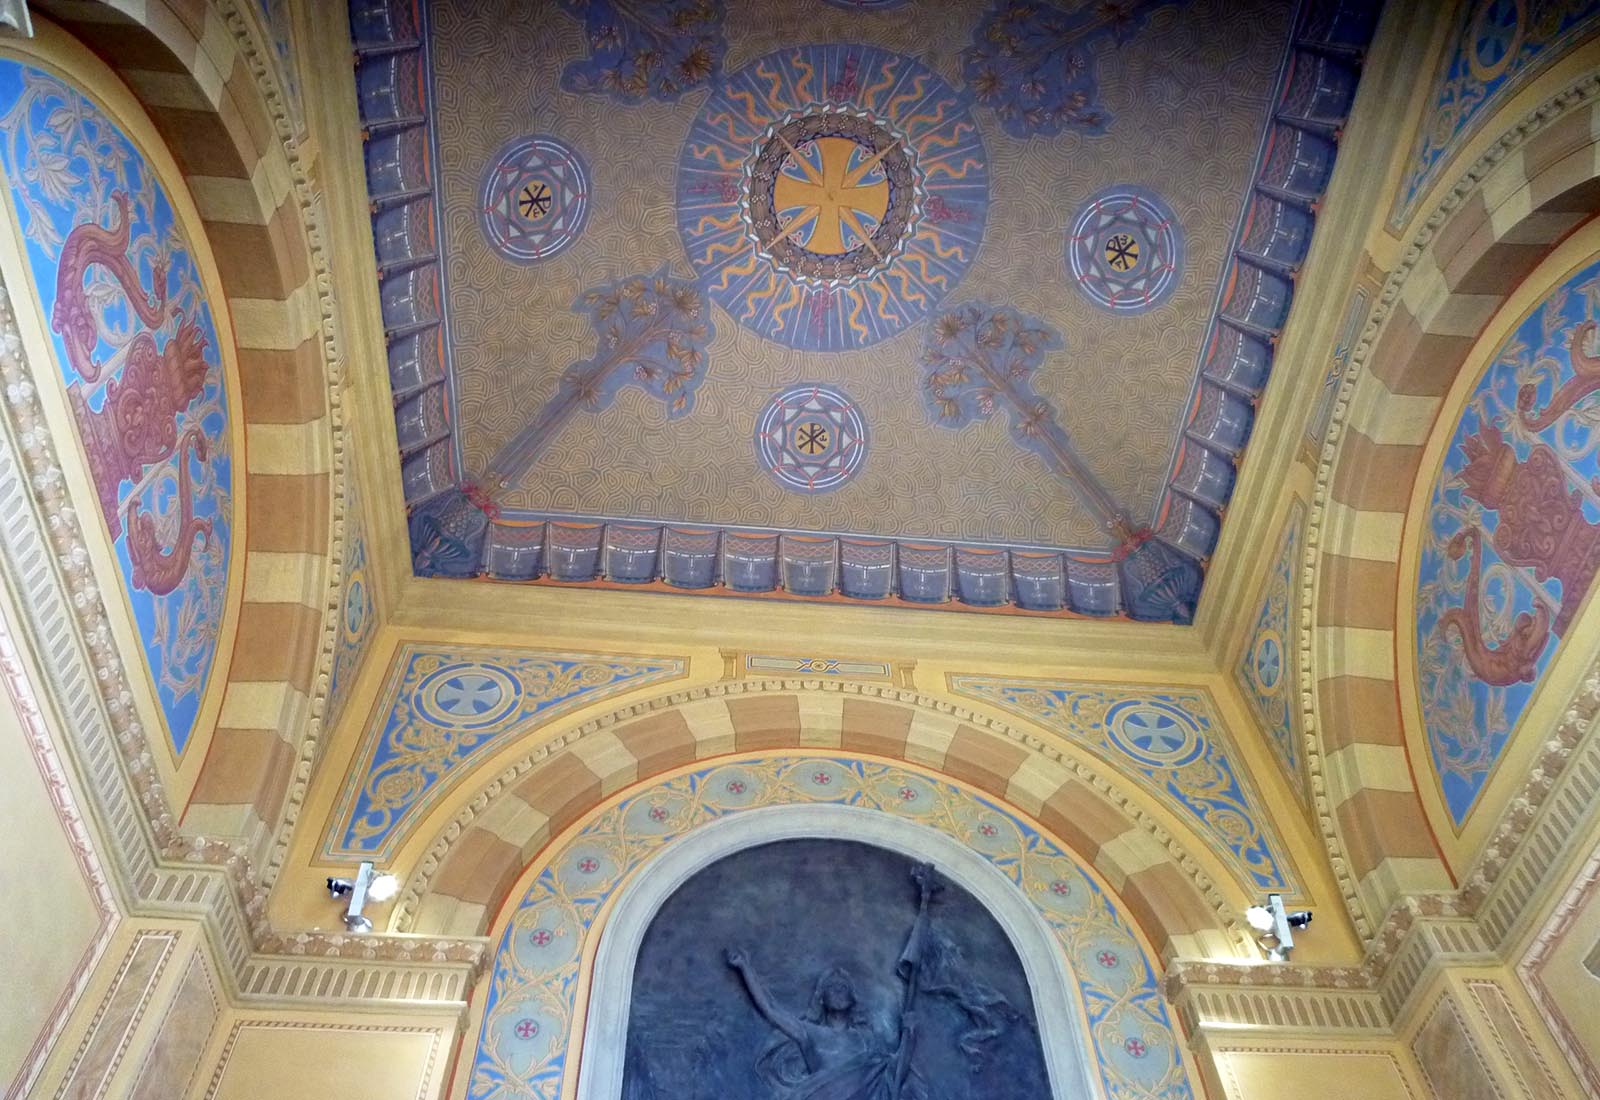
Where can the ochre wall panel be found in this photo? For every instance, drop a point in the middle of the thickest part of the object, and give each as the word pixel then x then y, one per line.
pixel 173 1061
pixel 51 916
pixel 278 1059
pixel 1314 1074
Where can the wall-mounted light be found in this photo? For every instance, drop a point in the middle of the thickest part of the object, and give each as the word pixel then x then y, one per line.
pixel 368 885
pixel 14 18
pixel 1276 927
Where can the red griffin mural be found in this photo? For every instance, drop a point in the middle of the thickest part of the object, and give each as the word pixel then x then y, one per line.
pixel 1541 527
pixel 137 425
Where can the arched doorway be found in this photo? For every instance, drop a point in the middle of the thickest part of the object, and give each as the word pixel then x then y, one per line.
pixel 794 854
pixel 560 981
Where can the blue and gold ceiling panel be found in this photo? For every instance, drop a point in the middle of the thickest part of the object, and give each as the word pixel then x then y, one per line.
pixel 1170 744
pixel 830 196
pixel 444 709
pixel 1266 669
pixel 782 195
pixel 1499 46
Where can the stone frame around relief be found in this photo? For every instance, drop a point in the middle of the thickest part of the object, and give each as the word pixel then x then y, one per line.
pixel 537 985
pixel 1061 1028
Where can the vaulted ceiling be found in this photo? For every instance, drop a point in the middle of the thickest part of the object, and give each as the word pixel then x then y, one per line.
pixel 962 304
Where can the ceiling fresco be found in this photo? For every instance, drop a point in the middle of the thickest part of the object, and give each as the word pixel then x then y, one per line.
pixel 1266 668
pixel 135 339
pixel 1169 743
pixel 444 709
pixel 1511 542
pixel 1497 48
pixel 961 303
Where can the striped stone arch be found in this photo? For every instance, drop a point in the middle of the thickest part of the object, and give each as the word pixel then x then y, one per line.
pixel 199 72
pixel 1532 188
pixel 464 879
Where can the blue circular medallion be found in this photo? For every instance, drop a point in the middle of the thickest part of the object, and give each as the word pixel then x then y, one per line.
pixel 1125 251
pixel 356 604
pixel 1154 733
pixel 1267 661
pixel 466 696
pixel 534 200
pixel 1495 38
pixel 811 438
pixel 829 197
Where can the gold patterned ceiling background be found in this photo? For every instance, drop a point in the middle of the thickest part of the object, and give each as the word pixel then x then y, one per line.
pixel 966 302
pixel 1186 94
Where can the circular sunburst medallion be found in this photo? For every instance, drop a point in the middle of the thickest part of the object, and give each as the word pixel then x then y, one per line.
pixel 1125 251
pixel 830 196
pixel 811 438
pixel 534 200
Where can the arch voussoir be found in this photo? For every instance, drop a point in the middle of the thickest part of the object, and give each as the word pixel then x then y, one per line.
pixel 199 75
pixel 1509 212
pixel 463 881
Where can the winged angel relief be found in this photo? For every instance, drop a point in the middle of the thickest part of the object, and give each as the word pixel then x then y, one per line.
pixel 1513 537
pixel 138 354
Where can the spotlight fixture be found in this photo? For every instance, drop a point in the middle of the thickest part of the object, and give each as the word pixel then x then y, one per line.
pixel 1277 926
pixel 368 885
